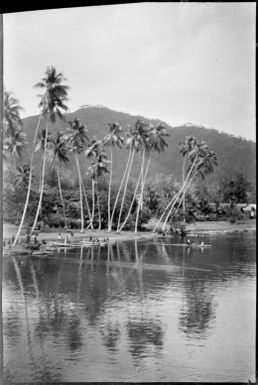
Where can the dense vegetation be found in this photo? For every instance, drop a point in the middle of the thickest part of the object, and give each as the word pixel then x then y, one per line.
pixel 45 192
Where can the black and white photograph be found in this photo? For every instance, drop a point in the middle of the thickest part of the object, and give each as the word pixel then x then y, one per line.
pixel 129 193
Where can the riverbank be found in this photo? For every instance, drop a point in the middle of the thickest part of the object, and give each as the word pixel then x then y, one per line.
pixel 75 235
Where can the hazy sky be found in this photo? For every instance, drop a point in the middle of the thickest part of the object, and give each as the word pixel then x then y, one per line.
pixel 179 62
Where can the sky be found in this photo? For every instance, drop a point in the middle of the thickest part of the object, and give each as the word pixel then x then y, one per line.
pixel 179 62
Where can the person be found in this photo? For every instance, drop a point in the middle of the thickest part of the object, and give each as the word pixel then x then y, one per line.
pixel 202 244
pixel 59 236
pixel 188 242
pixel 35 239
pixel 27 240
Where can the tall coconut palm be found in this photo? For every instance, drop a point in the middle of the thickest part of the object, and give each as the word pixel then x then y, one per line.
pixel 134 143
pixel 78 139
pixel 152 139
pixel 52 105
pixel 59 156
pixel 111 140
pixel 186 149
pixel 30 178
pixel 97 168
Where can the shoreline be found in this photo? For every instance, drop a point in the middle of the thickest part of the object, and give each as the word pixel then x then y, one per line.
pixel 193 229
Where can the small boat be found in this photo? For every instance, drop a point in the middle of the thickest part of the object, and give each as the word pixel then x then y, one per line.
pixel 187 245
pixel 41 252
pixel 59 244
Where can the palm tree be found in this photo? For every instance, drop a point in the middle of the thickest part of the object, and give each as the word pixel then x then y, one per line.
pixel 134 143
pixel 204 161
pixel 11 112
pixel 78 139
pixel 111 140
pixel 22 176
pixel 152 139
pixel 186 149
pixel 52 105
pixel 97 168
pixel 59 156
pixel 13 144
pixel 14 137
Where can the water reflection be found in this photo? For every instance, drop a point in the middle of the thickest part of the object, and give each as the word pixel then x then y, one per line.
pixel 123 301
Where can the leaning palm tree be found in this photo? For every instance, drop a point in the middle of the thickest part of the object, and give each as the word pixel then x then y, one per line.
pixel 111 140
pixel 78 139
pixel 185 150
pixel 52 105
pixel 204 161
pixel 59 156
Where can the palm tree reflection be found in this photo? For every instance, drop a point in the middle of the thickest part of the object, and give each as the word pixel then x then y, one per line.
pixel 198 309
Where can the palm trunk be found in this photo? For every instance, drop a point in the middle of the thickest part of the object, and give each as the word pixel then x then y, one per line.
pixel 174 198
pixel 29 183
pixel 131 206
pixel 126 183
pixel 93 202
pixel 180 191
pixel 86 199
pixel 61 195
pixel 109 190
pixel 183 179
pixel 42 181
pixel 119 190
pixel 98 204
pixel 80 189
pixel 184 192
pixel 140 199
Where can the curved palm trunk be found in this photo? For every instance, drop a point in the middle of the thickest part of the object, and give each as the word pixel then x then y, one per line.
pixel 42 181
pixel 180 192
pixel 184 192
pixel 126 183
pixel 29 183
pixel 131 206
pixel 141 194
pixel 175 197
pixel 109 189
pixel 80 190
pixel 119 190
pixel 61 195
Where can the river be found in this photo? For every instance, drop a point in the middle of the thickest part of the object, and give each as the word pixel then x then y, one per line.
pixel 133 311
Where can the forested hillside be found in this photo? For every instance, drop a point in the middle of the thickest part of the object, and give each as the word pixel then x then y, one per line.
pixel 234 154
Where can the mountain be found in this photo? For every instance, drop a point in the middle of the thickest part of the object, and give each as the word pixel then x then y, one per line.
pixel 234 154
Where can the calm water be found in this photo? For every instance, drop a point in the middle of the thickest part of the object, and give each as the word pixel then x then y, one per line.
pixel 133 311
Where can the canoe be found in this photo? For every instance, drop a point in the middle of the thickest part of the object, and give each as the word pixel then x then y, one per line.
pixel 187 245
pixel 59 244
pixel 88 243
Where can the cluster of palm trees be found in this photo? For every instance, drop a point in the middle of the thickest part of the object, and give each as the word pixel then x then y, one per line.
pixel 198 160
pixel 141 141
